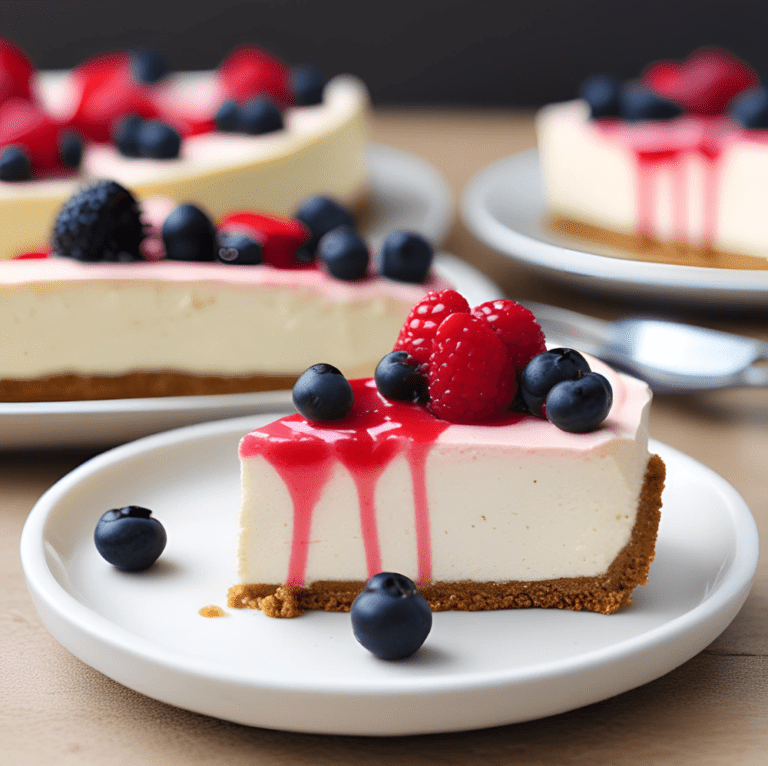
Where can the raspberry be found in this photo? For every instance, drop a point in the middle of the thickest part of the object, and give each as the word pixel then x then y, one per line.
pixel 467 381
pixel 25 124
pixel 16 72
pixel 516 327
pixel 251 71
pixel 419 329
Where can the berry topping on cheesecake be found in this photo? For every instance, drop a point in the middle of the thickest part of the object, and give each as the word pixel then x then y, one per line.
pixel 101 222
pixel 321 214
pixel 344 253
pixel 389 618
pixel 323 393
pixel 130 538
pixel 406 257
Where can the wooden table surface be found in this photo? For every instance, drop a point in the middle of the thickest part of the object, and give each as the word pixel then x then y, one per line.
pixel 712 710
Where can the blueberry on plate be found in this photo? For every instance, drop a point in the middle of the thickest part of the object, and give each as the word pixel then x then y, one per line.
pixel 149 66
pixel 750 109
pixel 189 235
pixel 125 135
pixel 15 164
pixel 227 116
pixel 546 370
pixel 158 140
pixel 601 92
pixel 129 538
pixel 239 249
pixel 638 102
pixel 323 393
pixel 307 85
pixel 579 405
pixel 260 115
pixel 71 148
pixel 406 257
pixel 397 377
pixel 389 618
pixel 320 215
pixel 344 253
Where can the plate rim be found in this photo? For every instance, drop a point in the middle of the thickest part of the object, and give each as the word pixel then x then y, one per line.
pixel 577 265
pixel 715 611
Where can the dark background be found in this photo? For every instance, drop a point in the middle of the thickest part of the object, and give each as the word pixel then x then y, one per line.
pixel 457 52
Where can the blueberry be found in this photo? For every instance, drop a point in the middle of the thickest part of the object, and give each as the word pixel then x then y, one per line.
pixel 750 109
pixel 323 393
pixel 344 253
pixel 260 115
pixel 158 140
pixel 189 235
pixel 397 377
pixel 129 539
pixel 307 85
pixel 71 148
pixel 320 215
pixel 149 66
pixel 125 135
pixel 389 618
pixel 547 369
pixel 227 117
pixel 15 164
pixel 637 102
pixel 406 257
pixel 601 92
pixel 239 249
pixel 579 405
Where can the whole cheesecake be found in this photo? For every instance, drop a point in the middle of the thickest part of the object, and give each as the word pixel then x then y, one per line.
pixel 672 167
pixel 317 147
pixel 511 511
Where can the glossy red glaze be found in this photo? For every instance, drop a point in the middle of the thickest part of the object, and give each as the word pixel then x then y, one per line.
pixel 366 441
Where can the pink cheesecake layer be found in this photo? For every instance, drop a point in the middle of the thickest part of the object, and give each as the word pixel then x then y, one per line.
pixel 58 270
pixel 377 430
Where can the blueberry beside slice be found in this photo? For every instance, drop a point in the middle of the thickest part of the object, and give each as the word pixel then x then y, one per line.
pixel 389 618
pixel 129 539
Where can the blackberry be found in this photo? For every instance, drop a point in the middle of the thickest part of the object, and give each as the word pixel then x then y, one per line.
pixel 100 222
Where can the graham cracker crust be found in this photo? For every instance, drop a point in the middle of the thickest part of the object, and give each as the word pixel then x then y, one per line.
pixel 604 594
pixel 653 250
pixel 134 385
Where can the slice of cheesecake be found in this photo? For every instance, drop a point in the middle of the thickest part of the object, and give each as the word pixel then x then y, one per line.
pixel 509 513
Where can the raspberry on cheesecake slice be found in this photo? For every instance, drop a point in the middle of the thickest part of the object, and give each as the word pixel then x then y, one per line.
pixel 491 472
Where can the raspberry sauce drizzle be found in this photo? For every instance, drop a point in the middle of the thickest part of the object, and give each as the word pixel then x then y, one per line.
pixel 365 442
pixel 662 147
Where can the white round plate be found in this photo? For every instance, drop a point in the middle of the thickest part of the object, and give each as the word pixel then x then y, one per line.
pixel 48 425
pixel 309 674
pixel 504 207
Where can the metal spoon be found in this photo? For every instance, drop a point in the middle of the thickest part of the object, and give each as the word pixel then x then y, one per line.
pixel 670 356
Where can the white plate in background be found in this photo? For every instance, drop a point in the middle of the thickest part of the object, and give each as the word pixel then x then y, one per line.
pixel 309 674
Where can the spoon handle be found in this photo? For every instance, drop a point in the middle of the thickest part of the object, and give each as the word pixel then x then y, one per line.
pixel 586 333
